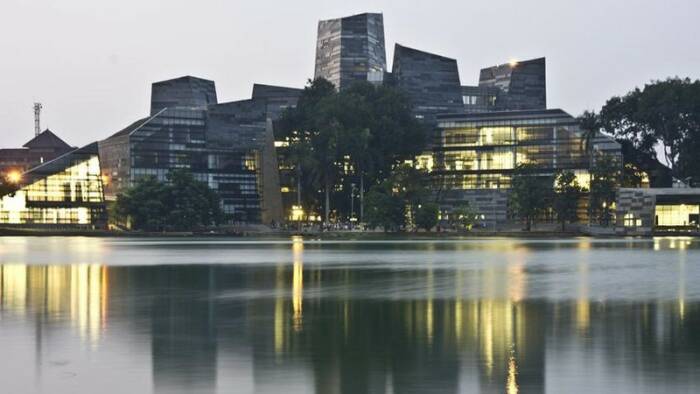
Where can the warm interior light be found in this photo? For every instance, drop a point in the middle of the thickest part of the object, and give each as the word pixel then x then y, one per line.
pixel 14 177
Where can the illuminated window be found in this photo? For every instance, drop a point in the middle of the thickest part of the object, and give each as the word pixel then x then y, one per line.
pixel 72 196
pixel 629 220
pixel 677 215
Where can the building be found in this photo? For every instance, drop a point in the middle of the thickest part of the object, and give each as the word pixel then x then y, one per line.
pixel 430 81
pixel 521 85
pixel 658 211
pixel 66 191
pixel 187 92
pixel 476 154
pixel 479 99
pixel 42 148
pixel 277 98
pixel 228 146
pixel 351 49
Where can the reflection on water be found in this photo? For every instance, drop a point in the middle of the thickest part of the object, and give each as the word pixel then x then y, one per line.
pixel 423 317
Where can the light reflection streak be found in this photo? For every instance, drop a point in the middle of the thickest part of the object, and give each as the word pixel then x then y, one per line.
pixel 298 283
pixel 77 291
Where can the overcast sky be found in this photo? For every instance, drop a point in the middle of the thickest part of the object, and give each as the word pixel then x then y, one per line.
pixel 91 62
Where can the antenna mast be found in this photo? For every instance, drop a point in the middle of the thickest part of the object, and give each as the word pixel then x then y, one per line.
pixel 37 118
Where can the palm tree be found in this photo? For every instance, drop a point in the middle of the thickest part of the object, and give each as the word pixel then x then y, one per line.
pixel 589 122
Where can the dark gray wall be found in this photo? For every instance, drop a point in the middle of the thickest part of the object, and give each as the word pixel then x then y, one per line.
pixel 350 49
pixel 182 92
pixel 522 85
pixel 431 82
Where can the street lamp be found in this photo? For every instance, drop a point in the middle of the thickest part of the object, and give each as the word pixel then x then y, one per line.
pixel 14 177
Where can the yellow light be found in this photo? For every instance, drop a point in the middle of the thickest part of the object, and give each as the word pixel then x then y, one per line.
pixel 285 189
pixel 297 213
pixel 14 177
pixel 513 62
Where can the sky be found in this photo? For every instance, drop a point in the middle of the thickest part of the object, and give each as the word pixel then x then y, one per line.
pixel 91 62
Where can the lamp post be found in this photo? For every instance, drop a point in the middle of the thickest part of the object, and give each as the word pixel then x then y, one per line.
pixel 352 204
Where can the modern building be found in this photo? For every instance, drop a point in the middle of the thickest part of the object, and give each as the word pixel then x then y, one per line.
pixel 228 146
pixel 476 154
pixel 187 92
pixel 430 81
pixel 66 191
pixel 43 148
pixel 658 210
pixel 351 49
pixel 522 85
pixel 277 98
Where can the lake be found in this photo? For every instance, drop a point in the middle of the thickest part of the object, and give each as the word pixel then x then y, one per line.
pixel 213 315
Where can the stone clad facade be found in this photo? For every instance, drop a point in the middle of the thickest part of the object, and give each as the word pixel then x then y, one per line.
pixel 351 49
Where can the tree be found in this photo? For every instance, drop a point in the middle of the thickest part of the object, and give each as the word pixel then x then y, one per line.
pixel 357 135
pixel 530 194
pixel 427 216
pixel 664 115
pixel 605 179
pixel 385 209
pixel 190 203
pixel 143 204
pixel 182 204
pixel 567 193
pixel 590 124
pixel 462 217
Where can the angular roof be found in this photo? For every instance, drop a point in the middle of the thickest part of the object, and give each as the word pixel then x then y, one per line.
pixel 267 91
pixel 47 140
pixel 59 164
pixel 130 128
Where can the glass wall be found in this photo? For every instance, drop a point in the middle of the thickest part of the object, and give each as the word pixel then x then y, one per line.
pixel 187 138
pixel 677 215
pixel 482 152
pixel 72 196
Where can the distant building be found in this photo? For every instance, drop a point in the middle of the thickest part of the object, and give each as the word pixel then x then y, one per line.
pixel 476 154
pixel 44 147
pixel 277 98
pixel 351 49
pixel 430 81
pixel 183 92
pixel 521 85
pixel 66 191
pixel 228 146
pixel 479 99
pixel 658 211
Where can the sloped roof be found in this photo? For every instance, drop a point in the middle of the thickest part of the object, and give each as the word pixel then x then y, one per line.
pixel 130 128
pixel 59 164
pixel 47 140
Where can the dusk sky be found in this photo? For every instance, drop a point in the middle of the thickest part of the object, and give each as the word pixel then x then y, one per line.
pixel 91 62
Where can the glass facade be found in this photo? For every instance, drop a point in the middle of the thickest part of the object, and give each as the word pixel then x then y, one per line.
pixel 482 150
pixel 51 195
pixel 182 138
pixel 677 215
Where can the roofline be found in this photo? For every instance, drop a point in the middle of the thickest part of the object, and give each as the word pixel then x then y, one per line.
pixel 146 121
pixel 397 45
pixel 496 114
pixel 75 150
pixel 350 16
pixel 183 77
pixel 517 62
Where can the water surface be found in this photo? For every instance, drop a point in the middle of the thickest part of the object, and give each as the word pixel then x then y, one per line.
pixel 91 315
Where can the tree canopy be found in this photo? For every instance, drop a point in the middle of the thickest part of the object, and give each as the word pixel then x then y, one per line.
pixel 530 193
pixel 567 193
pixel 357 135
pixel 181 204
pixel 663 116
